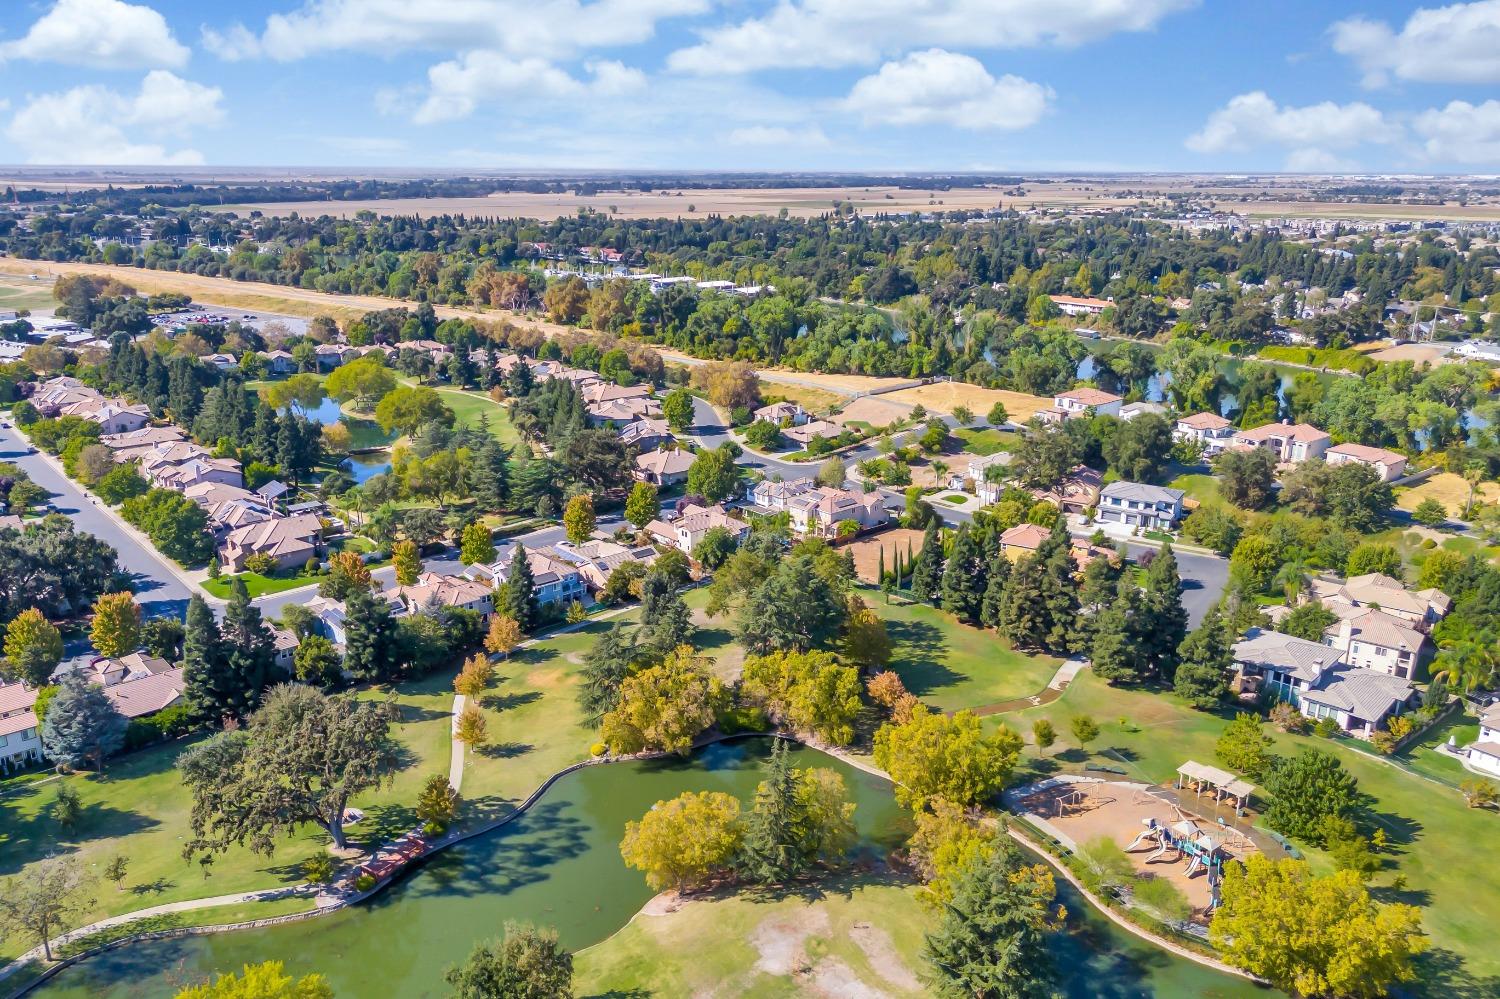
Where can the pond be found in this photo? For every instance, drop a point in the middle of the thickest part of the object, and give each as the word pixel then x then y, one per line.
pixel 560 865
pixel 363 467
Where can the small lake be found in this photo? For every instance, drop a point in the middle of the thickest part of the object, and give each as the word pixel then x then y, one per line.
pixel 560 865
pixel 363 467
pixel 362 432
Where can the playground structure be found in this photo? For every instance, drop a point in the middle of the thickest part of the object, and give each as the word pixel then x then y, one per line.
pixel 1204 849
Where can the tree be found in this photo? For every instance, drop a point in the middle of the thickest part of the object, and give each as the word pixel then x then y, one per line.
pixel 437 805
pixel 642 506
pixel 997 580
pixel 82 724
pixel 1244 746
pixel 1085 730
pixel 120 484
pixel 1043 734
pixel 33 648
pixel 770 854
pixel 934 755
pixel 809 691
pixel 1370 556
pixel 963 584
pixel 347 574
pixel 364 381
pixel 1118 654
pixel 266 980
pixel 67 807
pixel 794 609
pixel 1254 562
pixel 407 561
pixel 713 474
pixel 1307 789
pixel 407 409
pixel 866 641
pixel 665 707
pixel 38 904
pixel 605 666
pixel 681 843
pixel 300 758
pixel 1309 620
pixel 714 548
pixel 1347 944
pixel 517 597
pixel 579 519
pixel 927 569
pixel 503 636
pixel 476 545
pixel 1165 619
pixel 677 410
pixel 210 690
pixel 317 661
pixel 1206 656
pixel 176 525
pixel 473 677
pixel 116 870
pixel 471 729
pixel 666 622
pixel 248 649
pixel 831 473
pixel 1246 478
pixel 728 384
pixel 1479 793
pixel 527 964
pixel 993 939
pixel 1430 512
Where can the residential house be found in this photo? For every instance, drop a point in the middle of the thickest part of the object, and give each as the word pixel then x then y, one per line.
pixel 597 558
pixel 619 412
pixel 1131 410
pixel 1373 639
pixel 602 391
pixel 223 362
pixel 818 513
pixel 1024 540
pixel 1077 493
pixel 285 644
pixel 664 467
pixel 1483 754
pixel 127 667
pixel 1292 443
pixel 1387 465
pixel 1136 504
pixel 289 541
pixel 783 414
pixel 136 444
pixel 646 433
pixel 329 619
pixel 554 580
pixel 432 590
pixel 769 494
pixel 684 530
pixel 147 694
pixel 1080 401
pixel 1312 677
pixel 1072 305
pixel 279 362
pixel 332 355
pixel 807 432
pixel 1421 609
pixel 1209 431
pixel 114 416
pixel 976 476
pixel 20 732
pixel 181 475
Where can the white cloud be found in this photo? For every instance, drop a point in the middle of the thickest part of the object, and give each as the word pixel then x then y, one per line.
pixel 947 88
pixel 777 135
pixel 1253 121
pixel 458 86
pixel 1455 44
pixel 545 29
pixel 830 33
pixel 93 124
pixel 1461 133
pixel 101 34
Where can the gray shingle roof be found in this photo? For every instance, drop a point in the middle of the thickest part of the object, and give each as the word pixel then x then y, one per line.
pixel 1142 493
pixel 1364 693
pixel 1271 649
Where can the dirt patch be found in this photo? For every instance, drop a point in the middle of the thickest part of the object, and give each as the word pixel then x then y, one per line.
pixel 664 904
pixel 895 542
pixel 881 953
pixel 546 679
pixel 876 410
pixel 1418 353
pixel 814 400
pixel 944 397
pixel 1448 489
pixel 779 939
pixel 836 980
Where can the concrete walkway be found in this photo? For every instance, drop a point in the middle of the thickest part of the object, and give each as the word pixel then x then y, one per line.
pixel 456 763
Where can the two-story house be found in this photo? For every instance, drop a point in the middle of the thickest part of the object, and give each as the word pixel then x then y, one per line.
pixel 1387 465
pixel 1136 504
pixel 684 530
pixel 1373 639
pixel 1209 431
pixel 1314 679
pixel 1077 402
pixel 20 737
pixel 818 512
pixel 1421 609
pixel 1483 754
pixel 433 589
pixel 769 494
pixel 553 580
pixel 782 414
pixel 1292 443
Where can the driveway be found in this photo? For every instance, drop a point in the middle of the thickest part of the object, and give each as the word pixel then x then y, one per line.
pixel 158 590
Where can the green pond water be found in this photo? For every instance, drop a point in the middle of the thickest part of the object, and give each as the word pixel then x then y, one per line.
pixel 559 865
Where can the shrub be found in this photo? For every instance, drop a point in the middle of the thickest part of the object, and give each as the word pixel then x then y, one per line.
pixel 319 868
pixel 597 749
pixel 744 718
pixel 364 882
pixel 1326 727
pixel 261 563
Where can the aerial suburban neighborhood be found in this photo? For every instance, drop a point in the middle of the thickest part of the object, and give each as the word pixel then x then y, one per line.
pixel 805 564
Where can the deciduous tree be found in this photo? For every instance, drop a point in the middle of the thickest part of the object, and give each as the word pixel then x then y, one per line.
pixel 527 964
pixel 33 648
pixel 681 843
pixel 579 519
pixel 935 755
pixel 41 902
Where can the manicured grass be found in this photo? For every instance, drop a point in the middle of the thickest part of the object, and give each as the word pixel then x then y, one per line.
pixel 1325 357
pixel 256 584
pixel 1203 488
pixel 859 927
pixel 953 666
pixel 987 441
pixel 469 406
pixel 1434 836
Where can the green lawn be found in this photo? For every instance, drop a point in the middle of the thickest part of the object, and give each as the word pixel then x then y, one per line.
pixel 862 927
pixel 987 441
pixel 34 295
pixel 1203 488
pixel 256 584
pixel 953 666
pixel 1434 836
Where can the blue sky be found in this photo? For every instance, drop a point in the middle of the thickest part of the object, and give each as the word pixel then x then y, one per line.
pixel 998 85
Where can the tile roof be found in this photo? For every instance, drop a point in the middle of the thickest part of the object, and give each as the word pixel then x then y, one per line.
pixel 1379 628
pixel 1203 421
pixel 1365 693
pixel 1089 396
pixel 148 694
pixel 1301 432
pixel 1140 492
pixel 1363 452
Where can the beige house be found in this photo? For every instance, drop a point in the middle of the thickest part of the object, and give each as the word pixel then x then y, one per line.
pixel 1373 639
pixel 818 512
pixel 686 529
pixel 782 413
pixel 812 429
pixel 1420 609
pixel 1291 443
pixel 597 558
pixel 1079 401
pixel 20 732
pixel 1210 431
pixel 290 541
pixel 1388 465
pixel 436 590
pixel 664 467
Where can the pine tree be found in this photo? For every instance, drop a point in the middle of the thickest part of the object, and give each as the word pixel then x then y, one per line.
pixel 770 853
pixel 1100 587
pixel 369 637
pixel 605 667
pixel 489 477
pixel 209 688
pixel 249 650
pixel 519 592
pixel 1204 660
pixel 963 578
pixel 992 608
pixel 927 570
pixel 1161 587
pixel 1060 596
pixel 1024 620
pixel 1116 653
pixel 82 724
pixel 666 621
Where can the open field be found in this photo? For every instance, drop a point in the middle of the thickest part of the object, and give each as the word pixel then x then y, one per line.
pixel 814 400
pixel 23 293
pixel 1417 353
pixel 943 397
pixel 874 411
pixel 894 542
pixel 1449 489
pixel 987 441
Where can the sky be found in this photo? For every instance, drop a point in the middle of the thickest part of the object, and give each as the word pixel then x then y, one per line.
pixel 1374 86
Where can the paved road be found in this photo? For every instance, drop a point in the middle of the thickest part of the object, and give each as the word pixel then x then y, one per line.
pixel 158 589
pixel 710 430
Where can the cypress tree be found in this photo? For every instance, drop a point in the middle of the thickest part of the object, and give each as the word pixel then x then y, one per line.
pixel 1060 595
pixel 880 568
pixel 1204 660
pixel 1116 654
pixel 491 476
pixel 992 607
pixel 963 578
pixel 210 694
pixel 519 592
pixel 770 853
pixel 926 571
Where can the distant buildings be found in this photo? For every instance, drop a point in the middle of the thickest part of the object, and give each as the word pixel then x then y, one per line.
pixel 555 580
pixel 1075 306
